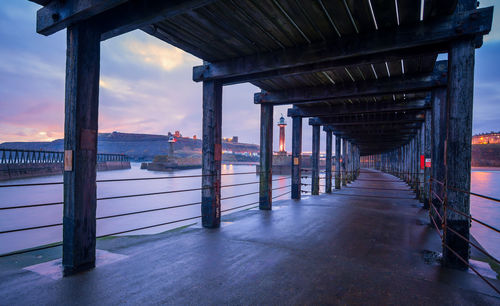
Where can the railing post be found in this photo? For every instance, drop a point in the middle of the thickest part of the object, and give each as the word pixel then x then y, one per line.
pixel 328 174
pixel 337 162
pixel 296 157
pixel 458 146
pixel 266 156
pixel 80 145
pixel 315 160
pixel 212 154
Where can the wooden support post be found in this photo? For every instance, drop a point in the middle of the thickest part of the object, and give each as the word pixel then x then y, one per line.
pixel 410 163
pixel 400 162
pixel 406 164
pixel 296 156
pixel 427 154
pixel 337 162
pixel 458 149
pixel 414 170
pixel 354 161
pixel 421 163
pixel 437 159
pixel 328 174
pixel 315 160
pixel 266 157
pixel 410 159
pixel 80 147
pixel 348 162
pixel 344 158
pixel 212 154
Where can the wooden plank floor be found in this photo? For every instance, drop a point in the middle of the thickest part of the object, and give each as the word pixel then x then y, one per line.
pixel 356 246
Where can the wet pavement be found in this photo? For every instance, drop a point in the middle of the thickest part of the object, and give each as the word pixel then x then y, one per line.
pixel 368 243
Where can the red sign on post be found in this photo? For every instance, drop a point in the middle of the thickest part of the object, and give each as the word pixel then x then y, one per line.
pixel 422 162
pixel 428 162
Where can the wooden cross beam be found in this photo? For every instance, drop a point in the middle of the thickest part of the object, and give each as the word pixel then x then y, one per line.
pixel 58 15
pixel 364 108
pixel 355 134
pixel 374 139
pixel 114 17
pixel 371 130
pixel 403 84
pixel 357 49
pixel 355 122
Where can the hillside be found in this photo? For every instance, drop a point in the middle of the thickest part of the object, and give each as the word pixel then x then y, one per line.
pixel 486 155
pixel 139 147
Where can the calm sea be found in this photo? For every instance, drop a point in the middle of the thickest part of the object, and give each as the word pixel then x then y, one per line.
pixel 45 215
pixel 486 182
pixel 483 182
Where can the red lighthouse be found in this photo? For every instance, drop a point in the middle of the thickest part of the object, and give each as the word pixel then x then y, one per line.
pixel 282 125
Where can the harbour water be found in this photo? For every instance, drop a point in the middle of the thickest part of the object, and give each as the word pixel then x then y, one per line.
pixel 484 181
pixel 51 215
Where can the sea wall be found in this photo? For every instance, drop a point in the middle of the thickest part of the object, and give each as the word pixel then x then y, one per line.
pixel 17 171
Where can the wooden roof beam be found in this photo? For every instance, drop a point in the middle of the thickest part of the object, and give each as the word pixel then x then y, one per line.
pixel 364 108
pixel 333 122
pixel 372 131
pixel 114 17
pixel 404 84
pixel 375 143
pixel 57 15
pixel 356 49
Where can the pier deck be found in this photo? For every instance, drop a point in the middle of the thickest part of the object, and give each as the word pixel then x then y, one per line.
pixel 340 248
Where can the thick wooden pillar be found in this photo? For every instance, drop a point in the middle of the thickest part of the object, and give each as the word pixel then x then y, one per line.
pixel 414 154
pixel 212 154
pixel 427 155
pixel 353 167
pixel 344 162
pixel 296 156
pixel 412 161
pixel 266 157
pixel 439 96
pixel 337 162
pixel 421 176
pixel 407 164
pixel 328 174
pixel 315 160
pixel 80 147
pixel 348 161
pixel 458 148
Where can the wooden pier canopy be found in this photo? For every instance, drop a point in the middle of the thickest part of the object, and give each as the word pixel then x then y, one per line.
pixel 352 61
pixel 363 69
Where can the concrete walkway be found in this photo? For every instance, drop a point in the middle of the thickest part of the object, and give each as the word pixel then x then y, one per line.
pixel 356 246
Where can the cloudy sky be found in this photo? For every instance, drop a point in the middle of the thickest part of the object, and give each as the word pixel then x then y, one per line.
pixel 146 85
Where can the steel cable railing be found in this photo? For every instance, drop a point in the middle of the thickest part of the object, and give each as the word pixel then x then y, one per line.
pixel 147 227
pixel 445 227
pixel 129 179
pixel 140 211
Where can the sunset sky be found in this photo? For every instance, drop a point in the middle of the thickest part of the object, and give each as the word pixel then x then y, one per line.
pixel 146 85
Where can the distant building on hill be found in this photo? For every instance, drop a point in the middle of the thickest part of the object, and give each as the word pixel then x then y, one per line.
pixel 234 139
pixel 486 138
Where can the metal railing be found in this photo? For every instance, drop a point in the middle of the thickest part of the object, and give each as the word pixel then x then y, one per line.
pixel 410 178
pixel 16 156
pixel 136 212
pixel 441 215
